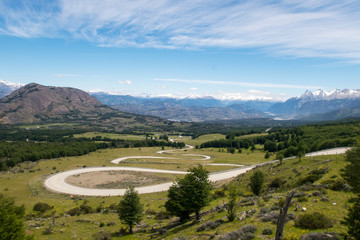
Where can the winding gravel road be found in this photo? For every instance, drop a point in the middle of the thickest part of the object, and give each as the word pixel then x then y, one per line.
pixel 57 183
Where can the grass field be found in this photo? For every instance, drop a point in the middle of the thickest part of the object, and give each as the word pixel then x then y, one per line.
pixel 110 135
pixel 25 184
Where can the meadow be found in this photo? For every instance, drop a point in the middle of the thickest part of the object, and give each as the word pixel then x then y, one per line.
pixel 24 182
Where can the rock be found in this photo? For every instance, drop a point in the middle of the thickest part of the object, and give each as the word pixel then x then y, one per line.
pixel 242 217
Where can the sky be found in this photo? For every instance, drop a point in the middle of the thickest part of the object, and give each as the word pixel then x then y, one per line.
pixel 269 50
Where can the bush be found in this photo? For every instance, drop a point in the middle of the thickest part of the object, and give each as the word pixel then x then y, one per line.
pixel 314 220
pixel 74 211
pixel 162 215
pixel 218 194
pixel 244 233
pixel 210 225
pixel 267 231
pixel 256 182
pixel 48 231
pixel 41 207
pixel 276 183
pixel 84 208
pixel 102 236
pixel 320 236
pixel 337 185
pixel 302 199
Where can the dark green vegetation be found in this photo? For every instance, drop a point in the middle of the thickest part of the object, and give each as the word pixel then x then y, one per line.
pixel 130 208
pixel 12 220
pixel 296 141
pixel 189 194
pixel 352 177
pixel 256 182
pixel 19 144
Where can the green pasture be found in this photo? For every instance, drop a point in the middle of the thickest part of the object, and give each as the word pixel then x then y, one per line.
pixel 25 183
pixel 109 135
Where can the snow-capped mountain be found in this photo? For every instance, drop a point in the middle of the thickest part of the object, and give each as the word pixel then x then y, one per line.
pixel 325 95
pixel 317 102
pixel 8 87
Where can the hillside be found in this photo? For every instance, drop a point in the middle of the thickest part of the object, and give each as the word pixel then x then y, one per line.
pixel 35 103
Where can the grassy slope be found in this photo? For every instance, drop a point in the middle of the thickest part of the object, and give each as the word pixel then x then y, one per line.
pixel 27 188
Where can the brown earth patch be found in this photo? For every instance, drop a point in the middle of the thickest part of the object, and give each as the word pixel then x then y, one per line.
pixel 117 179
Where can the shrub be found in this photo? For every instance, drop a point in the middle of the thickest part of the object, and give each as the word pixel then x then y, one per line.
pixel 309 179
pixel 74 211
pixel 267 231
pixel 102 236
pixel 272 216
pixel 276 183
pixel 256 182
pixel 48 231
pixel 302 199
pixel 244 233
pixel 315 220
pixel 210 225
pixel 84 208
pixel 338 185
pixel 41 207
pixel 162 215
pixel 320 236
pixel 218 194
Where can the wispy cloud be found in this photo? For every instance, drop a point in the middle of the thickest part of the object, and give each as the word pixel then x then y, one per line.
pixel 126 82
pixel 297 28
pixel 64 75
pixel 243 84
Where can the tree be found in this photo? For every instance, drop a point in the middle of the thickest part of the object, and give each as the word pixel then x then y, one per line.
pixel 189 194
pixel 282 216
pixel 256 182
pixel 352 177
pixel 300 151
pixel 352 220
pixel 267 155
pixel 280 157
pixel 12 220
pixel 231 206
pixel 351 173
pixel 130 208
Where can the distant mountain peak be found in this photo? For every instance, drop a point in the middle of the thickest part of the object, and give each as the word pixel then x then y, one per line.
pixel 8 87
pixel 320 94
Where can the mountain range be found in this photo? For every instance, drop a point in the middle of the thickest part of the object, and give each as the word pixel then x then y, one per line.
pixel 34 102
pixel 310 106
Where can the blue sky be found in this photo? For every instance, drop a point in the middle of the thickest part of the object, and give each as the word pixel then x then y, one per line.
pixel 220 48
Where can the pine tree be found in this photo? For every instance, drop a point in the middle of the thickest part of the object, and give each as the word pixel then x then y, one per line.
pixel 352 177
pixel 130 208
pixel 231 206
pixel 256 182
pixel 190 194
pixel 11 220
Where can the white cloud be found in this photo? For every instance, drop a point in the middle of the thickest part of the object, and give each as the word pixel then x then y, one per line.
pixel 259 92
pixel 126 82
pixel 62 75
pixel 193 89
pixel 243 84
pixel 298 28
